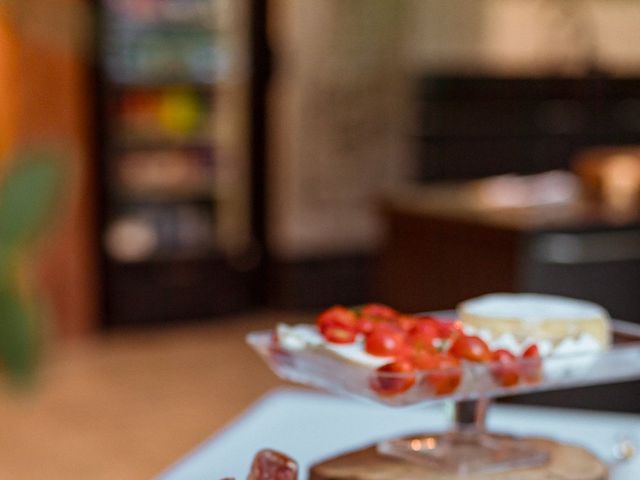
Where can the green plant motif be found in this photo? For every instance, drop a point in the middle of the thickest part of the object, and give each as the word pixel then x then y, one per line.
pixel 29 194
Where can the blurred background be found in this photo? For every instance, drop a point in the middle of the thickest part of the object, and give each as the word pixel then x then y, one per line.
pixel 226 158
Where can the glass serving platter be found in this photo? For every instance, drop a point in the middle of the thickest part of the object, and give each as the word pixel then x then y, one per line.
pixel 467 446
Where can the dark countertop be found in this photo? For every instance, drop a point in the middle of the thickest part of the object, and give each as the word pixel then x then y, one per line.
pixel 462 202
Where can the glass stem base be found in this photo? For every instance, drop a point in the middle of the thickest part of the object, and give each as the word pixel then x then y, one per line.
pixel 467 447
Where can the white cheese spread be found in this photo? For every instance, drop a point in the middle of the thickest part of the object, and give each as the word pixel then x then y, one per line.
pixel 303 336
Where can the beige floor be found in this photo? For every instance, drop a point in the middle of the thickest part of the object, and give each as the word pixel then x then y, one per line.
pixel 128 405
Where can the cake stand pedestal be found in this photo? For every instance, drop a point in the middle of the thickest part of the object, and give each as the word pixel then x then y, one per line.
pixel 565 461
pixel 467 447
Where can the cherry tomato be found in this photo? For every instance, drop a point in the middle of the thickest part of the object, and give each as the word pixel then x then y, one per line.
pixel 337 334
pixel 504 368
pixel 429 326
pixel 423 359
pixel 442 371
pixel 336 316
pixel 421 340
pixel 384 341
pixel 531 352
pixel 380 311
pixel 446 327
pixel 470 348
pixel 449 328
pixel 365 324
pixel 407 322
pixel 531 365
pixel 393 378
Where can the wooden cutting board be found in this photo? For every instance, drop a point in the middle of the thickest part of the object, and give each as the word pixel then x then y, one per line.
pixel 566 462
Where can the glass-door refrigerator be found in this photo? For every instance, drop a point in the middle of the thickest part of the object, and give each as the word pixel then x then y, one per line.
pixel 176 213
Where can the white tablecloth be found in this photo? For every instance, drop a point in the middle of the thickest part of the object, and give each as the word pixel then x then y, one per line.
pixel 312 426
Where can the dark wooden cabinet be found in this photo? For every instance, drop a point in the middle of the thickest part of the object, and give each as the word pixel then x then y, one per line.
pixel 163 291
pixel 442 249
pixel 474 126
pixel 431 262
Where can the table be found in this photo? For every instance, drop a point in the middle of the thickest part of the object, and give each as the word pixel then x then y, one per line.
pixel 312 426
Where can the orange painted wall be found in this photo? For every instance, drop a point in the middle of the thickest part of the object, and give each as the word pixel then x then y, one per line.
pixel 45 100
pixel 9 46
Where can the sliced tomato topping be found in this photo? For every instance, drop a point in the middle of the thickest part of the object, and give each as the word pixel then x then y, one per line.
pixel 339 335
pixel 531 365
pixel 393 378
pixel 385 341
pixel 442 371
pixel 337 316
pixel 407 322
pixel 378 310
pixel 470 348
pixel 504 368
pixel 421 341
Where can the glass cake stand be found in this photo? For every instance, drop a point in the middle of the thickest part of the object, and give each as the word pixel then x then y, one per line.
pixel 467 446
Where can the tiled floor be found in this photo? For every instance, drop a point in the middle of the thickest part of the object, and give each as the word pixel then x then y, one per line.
pixel 127 405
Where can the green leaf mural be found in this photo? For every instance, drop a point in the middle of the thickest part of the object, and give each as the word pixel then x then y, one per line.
pixel 29 195
pixel 18 336
pixel 27 198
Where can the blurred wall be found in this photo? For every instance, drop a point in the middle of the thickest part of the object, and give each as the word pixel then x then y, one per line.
pixel 339 110
pixel 524 36
pixel 337 122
